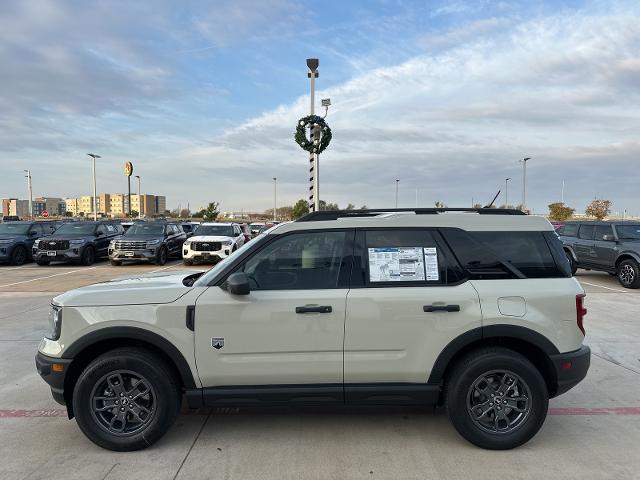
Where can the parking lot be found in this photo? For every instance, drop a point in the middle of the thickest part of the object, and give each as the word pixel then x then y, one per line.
pixel 592 432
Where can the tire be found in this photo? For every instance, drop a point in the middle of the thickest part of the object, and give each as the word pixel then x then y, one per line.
pixel 88 256
pixel 19 255
pixel 42 262
pixel 152 413
pixel 161 256
pixel 115 263
pixel 572 263
pixel 484 368
pixel 629 273
pixel 187 262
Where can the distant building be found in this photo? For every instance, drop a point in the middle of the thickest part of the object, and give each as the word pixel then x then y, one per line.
pixel 19 207
pixel 161 204
pixel 52 205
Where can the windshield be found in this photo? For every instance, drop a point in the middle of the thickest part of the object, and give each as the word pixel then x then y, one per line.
pixel 210 274
pixel 143 229
pixel 215 230
pixel 257 226
pixel 14 228
pixel 76 229
pixel 628 232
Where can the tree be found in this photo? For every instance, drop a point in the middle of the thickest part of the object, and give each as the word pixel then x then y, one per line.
pixel 598 208
pixel 477 205
pixel 68 214
pixel 211 212
pixel 134 213
pixel 300 208
pixel 559 211
pixel 184 213
pixel 363 207
pixel 328 206
pixel 350 206
pixel 440 204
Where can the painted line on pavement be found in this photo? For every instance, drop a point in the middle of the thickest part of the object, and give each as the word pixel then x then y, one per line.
pixel 49 276
pixel 602 286
pixel 556 411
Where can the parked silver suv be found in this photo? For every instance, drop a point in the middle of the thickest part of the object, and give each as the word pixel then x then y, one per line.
pixel 476 311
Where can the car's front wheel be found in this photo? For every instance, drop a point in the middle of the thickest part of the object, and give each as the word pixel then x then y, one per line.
pixel 88 256
pixel 19 255
pixel 496 398
pixel 161 256
pixel 126 399
pixel 629 273
pixel 572 263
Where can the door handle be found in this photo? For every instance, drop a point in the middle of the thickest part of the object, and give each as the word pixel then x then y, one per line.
pixel 441 308
pixel 314 309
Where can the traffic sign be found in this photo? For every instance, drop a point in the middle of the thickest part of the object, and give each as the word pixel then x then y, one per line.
pixel 45 214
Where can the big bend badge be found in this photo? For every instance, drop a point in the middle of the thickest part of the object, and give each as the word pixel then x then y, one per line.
pixel 217 342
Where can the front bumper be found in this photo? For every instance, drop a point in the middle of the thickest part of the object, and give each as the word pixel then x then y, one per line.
pixel 5 252
pixel 72 254
pixel 198 255
pixel 54 376
pixel 571 368
pixel 147 254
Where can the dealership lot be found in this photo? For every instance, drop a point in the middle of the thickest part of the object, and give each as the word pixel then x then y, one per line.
pixel 591 432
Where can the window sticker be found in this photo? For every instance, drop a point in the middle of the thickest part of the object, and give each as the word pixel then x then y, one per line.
pixel 431 263
pixel 396 264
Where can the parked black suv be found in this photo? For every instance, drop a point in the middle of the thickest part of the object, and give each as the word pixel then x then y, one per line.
pixel 17 238
pixel 612 247
pixel 150 241
pixel 77 242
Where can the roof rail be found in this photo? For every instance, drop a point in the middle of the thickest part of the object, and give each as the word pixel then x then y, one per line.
pixel 325 215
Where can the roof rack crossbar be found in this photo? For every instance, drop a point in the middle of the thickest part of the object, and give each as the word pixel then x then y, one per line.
pixel 326 215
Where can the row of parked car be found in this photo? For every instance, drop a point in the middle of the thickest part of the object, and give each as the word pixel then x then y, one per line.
pixel 84 242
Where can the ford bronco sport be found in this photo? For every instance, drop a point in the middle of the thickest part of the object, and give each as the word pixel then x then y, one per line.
pixel 473 309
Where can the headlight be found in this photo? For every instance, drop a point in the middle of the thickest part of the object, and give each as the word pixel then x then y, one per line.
pixel 76 242
pixel 227 242
pixel 153 242
pixel 36 243
pixel 55 322
pixel 187 243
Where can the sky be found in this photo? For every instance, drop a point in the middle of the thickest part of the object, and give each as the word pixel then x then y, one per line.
pixel 203 97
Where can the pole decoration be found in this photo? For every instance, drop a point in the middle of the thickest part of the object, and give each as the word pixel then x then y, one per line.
pixel 318 145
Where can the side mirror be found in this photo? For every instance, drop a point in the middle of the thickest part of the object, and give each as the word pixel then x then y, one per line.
pixel 608 238
pixel 33 233
pixel 238 284
pixel 99 233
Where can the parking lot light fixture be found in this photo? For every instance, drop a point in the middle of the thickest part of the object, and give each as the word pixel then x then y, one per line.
pixel 397 182
pixel 506 192
pixel 275 183
pixel 95 195
pixel 524 182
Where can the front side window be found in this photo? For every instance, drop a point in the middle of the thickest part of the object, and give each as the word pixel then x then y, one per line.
pixel 300 261
pixel 602 230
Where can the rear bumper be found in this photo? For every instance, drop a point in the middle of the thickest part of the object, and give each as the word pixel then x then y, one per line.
pixel 571 368
pixel 55 378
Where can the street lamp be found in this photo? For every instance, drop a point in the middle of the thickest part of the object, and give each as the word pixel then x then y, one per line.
pixel 524 182
pixel 314 168
pixel 275 183
pixel 28 177
pixel 397 182
pixel 506 192
pixel 140 199
pixel 95 199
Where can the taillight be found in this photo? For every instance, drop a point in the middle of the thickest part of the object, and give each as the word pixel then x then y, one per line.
pixel 580 311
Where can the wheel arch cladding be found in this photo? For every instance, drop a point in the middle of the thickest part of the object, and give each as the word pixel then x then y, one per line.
pixel 532 345
pixel 627 256
pixel 86 349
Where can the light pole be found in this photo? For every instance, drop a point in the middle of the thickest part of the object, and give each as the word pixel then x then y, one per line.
pixel 28 177
pixel 562 193
pixel 314 194
pixel 397 182
pixel 140 199
pixel 275 183
pixel 506 192
pixel 524 182
pixel 95 195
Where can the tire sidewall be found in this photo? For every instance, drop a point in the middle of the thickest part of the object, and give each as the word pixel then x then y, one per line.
pixel 162 256
pixel 636 268
pixel 14 258
pixel 88 256
pixel 462 379
pixel 166 406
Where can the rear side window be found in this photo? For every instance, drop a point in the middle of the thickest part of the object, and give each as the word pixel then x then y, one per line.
pixel 586 232
pixel 602 230
pixel 568 230
pixel 506 255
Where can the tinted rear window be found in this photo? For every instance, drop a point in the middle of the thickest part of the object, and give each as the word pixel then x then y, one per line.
pixel 586 232
pixel 485 254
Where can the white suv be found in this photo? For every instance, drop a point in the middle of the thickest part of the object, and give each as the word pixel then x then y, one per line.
pixel 212 241
pixel 475 310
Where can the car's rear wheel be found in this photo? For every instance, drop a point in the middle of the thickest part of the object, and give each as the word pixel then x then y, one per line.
pixel 19 255
pixel 88 256
pixel 496 398
pixel 161 256
pixel 629 273
pixel 126 399
pixel 572 263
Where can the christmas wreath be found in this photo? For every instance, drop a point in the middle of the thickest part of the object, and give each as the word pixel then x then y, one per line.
pixel 318 145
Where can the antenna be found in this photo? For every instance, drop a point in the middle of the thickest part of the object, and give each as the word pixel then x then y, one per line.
pixel 492 201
